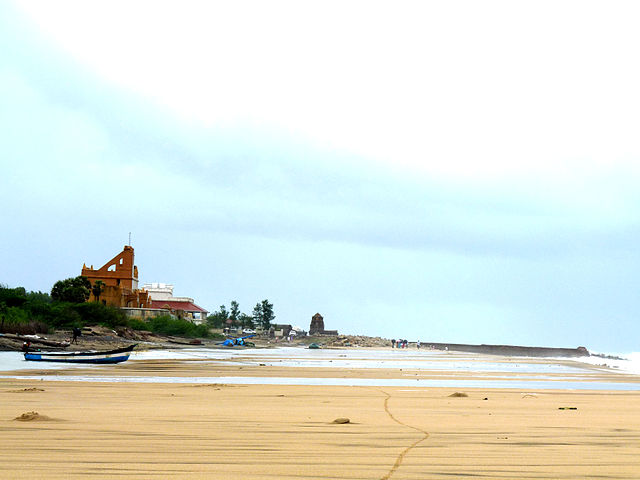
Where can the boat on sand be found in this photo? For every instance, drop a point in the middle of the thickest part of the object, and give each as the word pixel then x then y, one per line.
pixel 90 356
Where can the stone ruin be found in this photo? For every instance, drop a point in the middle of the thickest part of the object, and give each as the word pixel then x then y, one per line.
pixel 317 326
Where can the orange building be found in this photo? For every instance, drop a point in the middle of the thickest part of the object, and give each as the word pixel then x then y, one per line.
pixel 120 278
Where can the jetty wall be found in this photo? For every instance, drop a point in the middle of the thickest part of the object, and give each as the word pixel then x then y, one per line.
pixel 513 350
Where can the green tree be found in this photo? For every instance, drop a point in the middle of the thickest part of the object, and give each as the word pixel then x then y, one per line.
pixel 73 290
pixel 38 298
pixel 257 314
pixel 234 314
pixel 223 312
pixel 11 303
pixel 13 297
pixel 267 314
pixel 246 321
pixel 97 289
pixel 218 319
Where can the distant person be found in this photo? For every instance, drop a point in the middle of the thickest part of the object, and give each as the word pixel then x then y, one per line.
pixel 25 346
pixel 418 344
pixel 393 342
pixel 76 333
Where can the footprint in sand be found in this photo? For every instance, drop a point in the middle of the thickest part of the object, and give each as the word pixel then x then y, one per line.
pixel 400 458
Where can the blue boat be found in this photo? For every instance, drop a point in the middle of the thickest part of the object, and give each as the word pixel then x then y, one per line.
pixel 91 356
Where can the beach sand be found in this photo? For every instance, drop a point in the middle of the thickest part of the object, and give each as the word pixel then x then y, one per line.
pixel 52 430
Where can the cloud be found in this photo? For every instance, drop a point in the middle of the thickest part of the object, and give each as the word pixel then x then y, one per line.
pixel 109 146
pixel 460 90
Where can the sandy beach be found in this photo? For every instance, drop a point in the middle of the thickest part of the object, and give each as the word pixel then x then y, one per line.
pixel 64 429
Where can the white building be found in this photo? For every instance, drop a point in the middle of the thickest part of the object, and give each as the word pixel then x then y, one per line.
pixel 161 296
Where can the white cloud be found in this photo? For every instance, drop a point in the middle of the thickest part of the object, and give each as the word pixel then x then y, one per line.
pixel 461 90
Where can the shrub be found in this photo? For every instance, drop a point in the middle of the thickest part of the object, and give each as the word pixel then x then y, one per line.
pixel 93 313
pixel 25 328
pixel 137 324
pixel 63 315
pixel 167 325
pixel 16 320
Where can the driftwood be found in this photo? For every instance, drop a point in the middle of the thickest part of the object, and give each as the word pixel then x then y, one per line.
pixel 42 341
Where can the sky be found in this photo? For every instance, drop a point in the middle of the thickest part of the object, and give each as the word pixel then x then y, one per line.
pixel 456 171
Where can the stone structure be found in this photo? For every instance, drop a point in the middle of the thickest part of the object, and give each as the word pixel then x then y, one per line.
pixel 511 350
pixel 120 289
pixel 120 278
pixel 317 326
pixel 279 330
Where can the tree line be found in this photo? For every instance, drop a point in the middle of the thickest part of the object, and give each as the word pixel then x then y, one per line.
pixel 67 306
pixel 262 316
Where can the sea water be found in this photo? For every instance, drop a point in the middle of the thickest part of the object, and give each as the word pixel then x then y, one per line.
pixel 417 365
pixel 624 363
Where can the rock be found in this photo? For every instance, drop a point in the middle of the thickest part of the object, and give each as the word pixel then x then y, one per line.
pixel 31 416
pixel 341 420
pixel 459 394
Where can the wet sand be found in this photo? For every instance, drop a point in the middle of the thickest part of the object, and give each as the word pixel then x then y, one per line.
pixel 151 430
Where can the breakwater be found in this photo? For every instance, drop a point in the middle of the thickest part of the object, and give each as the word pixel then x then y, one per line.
pixel 511 350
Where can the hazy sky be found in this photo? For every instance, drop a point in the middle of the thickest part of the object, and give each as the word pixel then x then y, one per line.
pixel 443 171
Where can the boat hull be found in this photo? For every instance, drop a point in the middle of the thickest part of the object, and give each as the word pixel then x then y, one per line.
pixel 111 356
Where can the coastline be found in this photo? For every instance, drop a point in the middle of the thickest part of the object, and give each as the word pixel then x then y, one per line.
pixel 100 337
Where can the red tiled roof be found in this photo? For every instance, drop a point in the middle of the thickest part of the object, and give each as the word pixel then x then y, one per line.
pixel 173 305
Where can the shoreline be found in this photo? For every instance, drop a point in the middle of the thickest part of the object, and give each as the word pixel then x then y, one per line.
pixel 371 366
pixel 110 339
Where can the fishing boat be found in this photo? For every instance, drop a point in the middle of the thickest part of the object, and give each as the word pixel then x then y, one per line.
pixel 90 356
